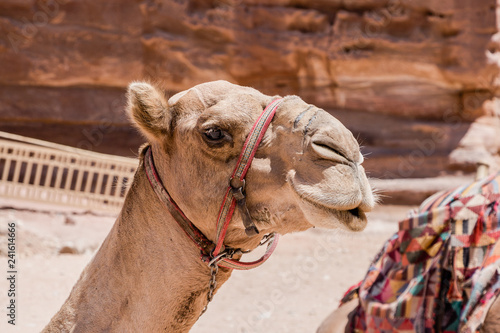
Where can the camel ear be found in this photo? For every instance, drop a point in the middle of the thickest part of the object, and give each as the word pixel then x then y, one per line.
pixel 149 110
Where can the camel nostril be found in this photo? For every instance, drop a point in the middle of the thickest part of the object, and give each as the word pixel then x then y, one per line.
pixel 327 149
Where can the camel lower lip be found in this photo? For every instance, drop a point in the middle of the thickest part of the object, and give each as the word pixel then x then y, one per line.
pixel 354 219
pixel 355 212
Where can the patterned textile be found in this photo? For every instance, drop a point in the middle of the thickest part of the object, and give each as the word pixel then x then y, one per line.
pixel 441 271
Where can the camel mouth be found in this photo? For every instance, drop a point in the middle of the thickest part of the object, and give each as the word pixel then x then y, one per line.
pixel 354 219
pixel 358 219
pixel 356 212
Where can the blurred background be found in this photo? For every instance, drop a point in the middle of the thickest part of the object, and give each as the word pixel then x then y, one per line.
pixel 416 81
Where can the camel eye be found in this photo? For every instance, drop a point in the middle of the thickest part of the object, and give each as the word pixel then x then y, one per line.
pixel 215 137
pixel 214 134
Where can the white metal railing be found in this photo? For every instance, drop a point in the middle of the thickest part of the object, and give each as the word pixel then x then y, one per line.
pixel 37 170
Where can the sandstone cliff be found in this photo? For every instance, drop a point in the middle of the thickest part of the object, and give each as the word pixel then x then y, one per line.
pixel 416 80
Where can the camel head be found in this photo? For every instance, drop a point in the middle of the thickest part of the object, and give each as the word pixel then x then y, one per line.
pixel 307 170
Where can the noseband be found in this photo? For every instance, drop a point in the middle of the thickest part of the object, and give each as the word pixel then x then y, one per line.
pixel 216 254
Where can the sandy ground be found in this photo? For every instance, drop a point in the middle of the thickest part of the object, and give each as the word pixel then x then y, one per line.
pixel 293 292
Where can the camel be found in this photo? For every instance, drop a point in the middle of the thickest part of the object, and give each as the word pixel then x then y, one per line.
pixel 459 230
pixel 149 275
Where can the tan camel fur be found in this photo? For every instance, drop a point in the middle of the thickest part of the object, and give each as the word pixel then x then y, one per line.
pixel 147 276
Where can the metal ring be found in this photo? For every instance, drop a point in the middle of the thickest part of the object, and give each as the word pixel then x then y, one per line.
pixel 216 259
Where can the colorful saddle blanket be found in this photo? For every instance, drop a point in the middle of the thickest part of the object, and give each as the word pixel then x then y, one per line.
pixel 441 271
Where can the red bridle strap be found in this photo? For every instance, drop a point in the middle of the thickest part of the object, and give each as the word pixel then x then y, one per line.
pixel 248 152
pixel 204 244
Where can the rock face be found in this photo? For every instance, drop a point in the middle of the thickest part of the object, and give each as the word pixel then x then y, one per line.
pixel 416 80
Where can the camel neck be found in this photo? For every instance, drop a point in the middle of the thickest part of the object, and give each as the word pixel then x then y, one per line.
pixel 147 276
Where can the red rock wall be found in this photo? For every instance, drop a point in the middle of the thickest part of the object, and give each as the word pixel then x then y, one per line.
pixel 416 80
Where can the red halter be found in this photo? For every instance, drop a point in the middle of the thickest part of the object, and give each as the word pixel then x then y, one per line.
pixel 218 254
